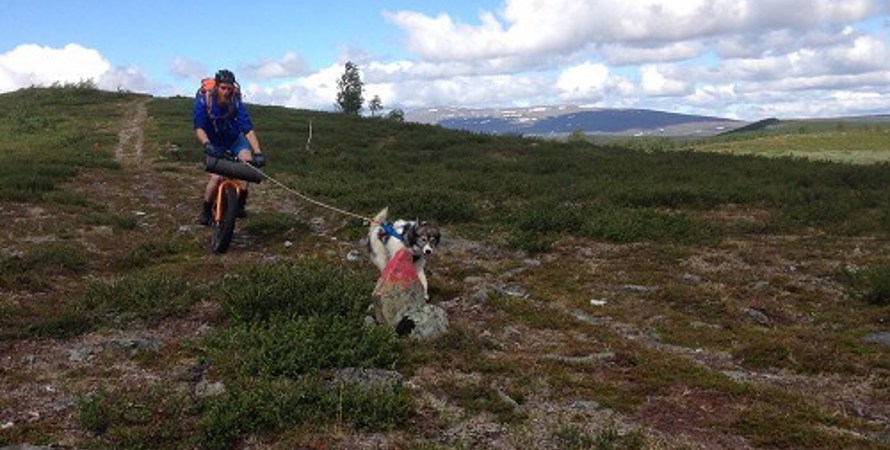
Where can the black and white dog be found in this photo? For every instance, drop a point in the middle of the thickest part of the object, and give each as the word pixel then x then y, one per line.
pixel 420 238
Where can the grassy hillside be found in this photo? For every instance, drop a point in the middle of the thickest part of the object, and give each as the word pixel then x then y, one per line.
pixel 599 296
pixel 856 142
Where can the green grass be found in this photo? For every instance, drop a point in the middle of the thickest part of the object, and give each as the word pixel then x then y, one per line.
pixel 840 141
pixel 59 132
pixel 271 224
pixel 572 437
pixel 871 285
pixel 153 417
pixel 33 269
pixel 283 329
pixel 274 405
pixel 536 191
pixel 115 221
pixel 288 325
pixel 139 298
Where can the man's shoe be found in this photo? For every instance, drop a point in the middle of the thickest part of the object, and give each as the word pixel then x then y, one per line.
pixel 242 204
pixel 206 214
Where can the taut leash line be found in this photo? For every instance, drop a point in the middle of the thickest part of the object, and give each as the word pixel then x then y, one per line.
pixel 309 199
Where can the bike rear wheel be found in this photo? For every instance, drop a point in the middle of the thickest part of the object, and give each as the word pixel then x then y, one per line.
pixel 224 228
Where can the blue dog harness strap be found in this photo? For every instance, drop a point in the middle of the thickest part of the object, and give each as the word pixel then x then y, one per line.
pixel 392 231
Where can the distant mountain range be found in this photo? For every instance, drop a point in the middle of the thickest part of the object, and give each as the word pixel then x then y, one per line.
pixel 566 119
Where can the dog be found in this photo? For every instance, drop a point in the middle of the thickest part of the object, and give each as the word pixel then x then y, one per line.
pixel 419 237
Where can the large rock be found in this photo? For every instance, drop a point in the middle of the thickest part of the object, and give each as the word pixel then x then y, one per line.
pixel 399 301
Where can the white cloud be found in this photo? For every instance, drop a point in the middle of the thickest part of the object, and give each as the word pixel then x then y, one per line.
pixel 31 64
pixel 656 81
pixel 587 81
pixel 290 65
pixel 620 54
pixel 186 68
pixel 36 65
pixel 131 78
pixel 314 91
pixel 545 27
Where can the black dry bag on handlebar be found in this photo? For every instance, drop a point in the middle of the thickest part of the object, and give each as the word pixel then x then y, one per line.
pixel 232 169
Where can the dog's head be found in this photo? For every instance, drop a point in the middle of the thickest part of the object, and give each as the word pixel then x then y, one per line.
pixel 422 237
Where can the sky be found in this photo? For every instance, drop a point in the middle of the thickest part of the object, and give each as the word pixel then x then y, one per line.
pixel 741 59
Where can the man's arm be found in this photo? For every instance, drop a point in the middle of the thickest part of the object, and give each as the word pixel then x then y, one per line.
pixel 202 136
pixel 253 141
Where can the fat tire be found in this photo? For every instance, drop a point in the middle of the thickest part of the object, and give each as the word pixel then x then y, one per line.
pixel 221 236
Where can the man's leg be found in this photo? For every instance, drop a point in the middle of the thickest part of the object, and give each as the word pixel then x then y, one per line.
pixel 245 155
pixel 209 192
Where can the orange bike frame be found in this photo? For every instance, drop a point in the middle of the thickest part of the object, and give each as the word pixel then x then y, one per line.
pixel 217 215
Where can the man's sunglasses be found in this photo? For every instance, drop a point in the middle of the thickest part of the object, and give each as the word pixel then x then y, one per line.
pixel 225 88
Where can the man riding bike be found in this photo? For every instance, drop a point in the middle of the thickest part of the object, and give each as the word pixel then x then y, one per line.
pixel 223 127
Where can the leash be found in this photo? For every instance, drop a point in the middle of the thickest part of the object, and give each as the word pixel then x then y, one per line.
pixel 386 226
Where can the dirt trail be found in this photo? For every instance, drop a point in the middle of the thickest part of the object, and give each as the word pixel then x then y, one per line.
pixel 131 138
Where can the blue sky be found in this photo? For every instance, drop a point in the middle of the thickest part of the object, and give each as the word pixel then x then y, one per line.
pixel 733 58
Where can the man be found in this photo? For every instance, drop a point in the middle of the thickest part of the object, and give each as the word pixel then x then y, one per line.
pixel 223 126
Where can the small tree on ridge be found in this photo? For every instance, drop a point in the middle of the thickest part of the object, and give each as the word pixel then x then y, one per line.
pixel 375 105
pixel 349 90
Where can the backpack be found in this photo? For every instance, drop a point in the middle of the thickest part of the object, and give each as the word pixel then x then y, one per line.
pixel 208 89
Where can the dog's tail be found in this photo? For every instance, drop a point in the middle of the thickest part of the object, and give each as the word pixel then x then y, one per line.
pixel 381 216
pixel 378 249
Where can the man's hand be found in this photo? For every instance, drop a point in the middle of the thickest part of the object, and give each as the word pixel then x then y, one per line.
pixel 210 149
pixel 259 160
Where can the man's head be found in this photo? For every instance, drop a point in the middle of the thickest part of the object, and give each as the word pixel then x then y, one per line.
pixel 225 84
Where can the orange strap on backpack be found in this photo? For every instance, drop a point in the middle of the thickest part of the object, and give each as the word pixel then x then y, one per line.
pixel 208 88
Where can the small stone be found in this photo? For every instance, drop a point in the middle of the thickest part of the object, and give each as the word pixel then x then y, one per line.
pixel 597 302
pixel 480 295
pixel 691 278
pixel 882 338
pixel 637 288
pixel 288 244
pixel 368 378
pixel 474 280
pixel 585 405
pixel 354 255
pixel 205 389
pixel 528 262
pixel 758 316
pixel 513 290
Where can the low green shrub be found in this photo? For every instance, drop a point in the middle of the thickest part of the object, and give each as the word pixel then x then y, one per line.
pixel 291 347
pixel 269 405
pixel 145 296
pixel 151 251
pixel 266 224
pixel 295 289
pixel 115 221
pixel 153 417
pixel 871 284
pixel 632 225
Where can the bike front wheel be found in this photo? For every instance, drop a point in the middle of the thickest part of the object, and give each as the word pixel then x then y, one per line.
pixel 225 227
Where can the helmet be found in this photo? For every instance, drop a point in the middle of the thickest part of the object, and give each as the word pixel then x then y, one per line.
pixel 224 76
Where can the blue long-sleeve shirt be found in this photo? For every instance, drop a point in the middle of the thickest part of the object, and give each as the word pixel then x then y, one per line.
pixel 222 127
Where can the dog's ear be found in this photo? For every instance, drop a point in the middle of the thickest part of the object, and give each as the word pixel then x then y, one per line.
pixel 411 234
